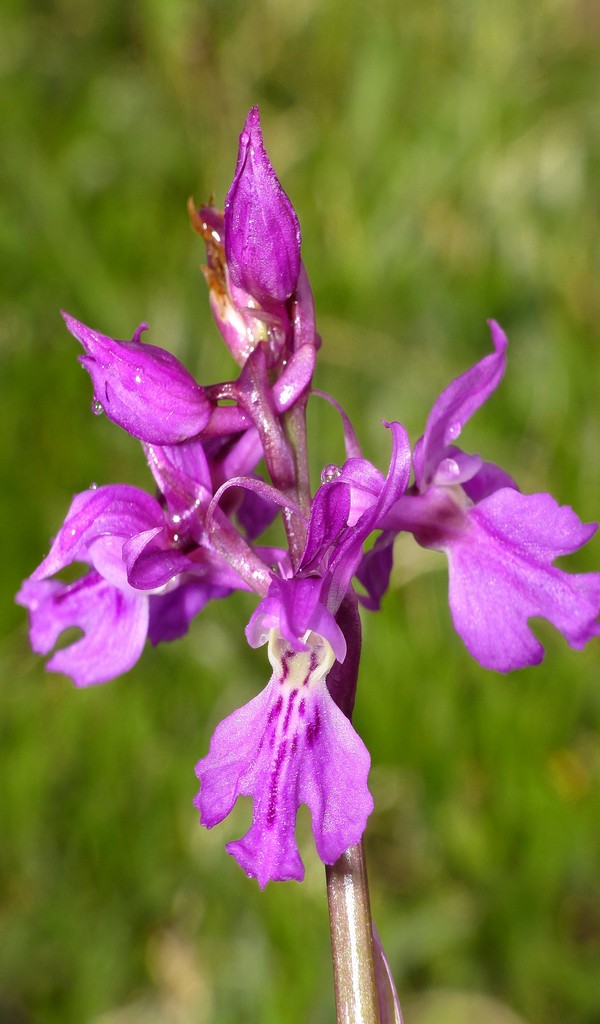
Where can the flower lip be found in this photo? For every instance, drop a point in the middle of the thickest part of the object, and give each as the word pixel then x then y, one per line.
pixel 262 233
pixel 290 745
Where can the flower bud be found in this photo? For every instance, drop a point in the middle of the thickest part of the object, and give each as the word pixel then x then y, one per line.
pixel 144 389
pixel 242 321
pixel 262 234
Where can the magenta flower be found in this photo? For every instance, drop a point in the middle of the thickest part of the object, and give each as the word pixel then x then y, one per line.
pixel 113 616
pixel 293 744
pixel 262 234
pixel 144 389
pixel 345 511
pixel 500 544
pixel 151 569
pixel 290 745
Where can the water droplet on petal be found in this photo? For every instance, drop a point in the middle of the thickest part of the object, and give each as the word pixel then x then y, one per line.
pixel 453 432
pixel 97 407
pixel 447 474
pixel 331 472
pixel 93 487
pixel 244 138
pixel 138 375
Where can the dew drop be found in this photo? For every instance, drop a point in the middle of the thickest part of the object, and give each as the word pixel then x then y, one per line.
pixel 453 431
pixel 138 375
pixel 244 138
pixel 97 407
pixel 176 538
pixel 449 468
pixel 331 472
pixel 93 487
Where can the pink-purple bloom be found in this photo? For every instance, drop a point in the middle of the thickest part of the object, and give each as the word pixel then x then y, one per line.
pixel 290 745
pixel 126 592
pixel 500 544
pixel 227 459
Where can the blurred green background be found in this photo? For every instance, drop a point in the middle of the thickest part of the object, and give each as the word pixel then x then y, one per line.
pixel 443 159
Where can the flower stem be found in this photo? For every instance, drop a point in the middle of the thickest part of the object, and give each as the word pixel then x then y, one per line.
pixel 352 939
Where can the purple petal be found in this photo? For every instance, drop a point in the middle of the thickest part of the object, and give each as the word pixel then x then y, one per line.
pixel 501 575
pixel 106 556
pixel 262 234
pixel 117 510
pixel 435 518
pixel 151 560
pixel 227 459
pixel 456 405
pixel 171 614
pixel 366 484
pixel 293 607
pixel 114 622
pixel 290 745
pixel 347 556
pixel 255 513
pixel 182 475
pixel 456 468
pixel 489 478
pixel 375 569
pixel 144 389
pixel 328 518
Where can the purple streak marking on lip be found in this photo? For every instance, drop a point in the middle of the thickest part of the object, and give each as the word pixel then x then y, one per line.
pixel 273 787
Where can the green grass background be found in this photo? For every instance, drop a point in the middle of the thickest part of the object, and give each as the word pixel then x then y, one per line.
pixel 443 158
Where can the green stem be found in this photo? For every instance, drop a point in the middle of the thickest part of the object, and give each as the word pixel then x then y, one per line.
pixel 352 939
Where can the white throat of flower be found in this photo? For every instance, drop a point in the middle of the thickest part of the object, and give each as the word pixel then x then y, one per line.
pixel 299 669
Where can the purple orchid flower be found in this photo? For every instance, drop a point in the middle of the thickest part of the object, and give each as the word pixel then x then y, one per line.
pixel 293 743
pixel 113 615
pixel 144 389
pixel 262 234
pixel 500 544
pixel 290 745
pixel 345 511
pixel 151 571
